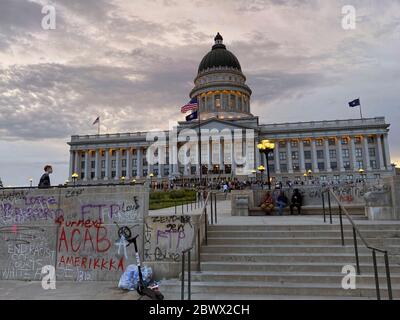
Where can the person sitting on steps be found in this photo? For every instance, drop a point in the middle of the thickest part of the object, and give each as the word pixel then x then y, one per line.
pixel 297 201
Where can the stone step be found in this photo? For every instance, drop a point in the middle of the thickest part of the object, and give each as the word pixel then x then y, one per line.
pixel 276 288
pixel 266 248
pixel 303 233
pixel 298 241
pixel 345 258
pixel 282 277
pixel 301 227
pixel 294 267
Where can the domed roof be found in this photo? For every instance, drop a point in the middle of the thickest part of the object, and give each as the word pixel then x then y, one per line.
pixel 219 56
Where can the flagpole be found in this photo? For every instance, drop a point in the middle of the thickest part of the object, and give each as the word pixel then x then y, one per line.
pixel 201 167
pixel 361 111
pixel 98 127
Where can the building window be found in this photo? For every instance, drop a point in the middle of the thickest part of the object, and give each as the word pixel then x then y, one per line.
pixel 123 163
pixel 332 154
pixel 144 161
pixel 371 140
pixel 272 168
pixel 113 174
pixel 82 175
pixel 321 166
pixel 144 172
pixel 296 167
pixel 134 162
pixel 232 101
pixel 93 164
pixel 373 164
pixel 271 156
pixel 345 153
pixel 345 141
pixel 282 144
pixel 320 154
pixel 92 175
pixel 123 152
pixel 282 156
pixel 357 140
pixel 218 101
pixel 103 164
pixel 307 155
pixel 155 171
pixel 372 152
pixel 113 164
pixel 294 143
pixel 346 165
pixel 323 178
pixel 295 155
pixel 332 141
pixel 113 153
pixel 334 165
pixel 134 173
pixel 336 177
pixel 359 152
pixel 83 165
pixel 350 177
pixel 102 153
pixel 377 176
pixel 307 143
pixel 166 170
pixel 284 168
pixel 308 166
pixel 123 173
pixel 320 142
pixel 103 174
pixel 360 164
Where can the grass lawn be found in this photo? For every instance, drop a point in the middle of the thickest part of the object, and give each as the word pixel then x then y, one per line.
pixel 167 199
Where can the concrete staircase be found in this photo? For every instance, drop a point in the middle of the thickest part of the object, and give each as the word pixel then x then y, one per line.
pixel 289 262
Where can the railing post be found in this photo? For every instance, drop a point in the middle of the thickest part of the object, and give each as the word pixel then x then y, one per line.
pixel 323 205
pixel 389 281
pixel 183 277
pixel 189 276
pixel 211 208
pixel 215 207
pixel 205 225
pixel 378 294
pixel 341 223
pixel 330 207
pixel 212 216
pixel 356 251
pixel 198 249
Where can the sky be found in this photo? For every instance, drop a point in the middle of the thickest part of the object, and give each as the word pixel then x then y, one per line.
pixel 133 62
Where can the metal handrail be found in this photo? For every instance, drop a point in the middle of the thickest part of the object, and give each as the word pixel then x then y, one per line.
pixel 196 241
pixel 356 231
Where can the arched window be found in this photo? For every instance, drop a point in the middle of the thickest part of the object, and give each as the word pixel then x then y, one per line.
pixel 232 102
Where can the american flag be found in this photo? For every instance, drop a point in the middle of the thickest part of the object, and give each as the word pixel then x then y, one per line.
pixel 96 121
pixel 191 106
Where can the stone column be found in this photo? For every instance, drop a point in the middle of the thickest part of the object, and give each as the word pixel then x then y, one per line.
pixel 139 163
pixel 387 153
pixel 160 169
pixel 117 164
pixel 233 164
pixel 77 162
pixel 367 164
pixel 314 156
pixel 289 156
pixel 107 164
pixel 380 152
pixel 128 163
pixel 71 163
pixel 97 165
pixel 210 164
pixel 340 154
pixel 327 155
pixel 86 178
pixel 301 155
pixel 353 154
pixel 221 156
pixel 276 156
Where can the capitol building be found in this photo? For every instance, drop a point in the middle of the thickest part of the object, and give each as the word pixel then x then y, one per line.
pixel 331 150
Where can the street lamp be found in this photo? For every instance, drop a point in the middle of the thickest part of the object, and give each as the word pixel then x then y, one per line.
pixel 123 179
pixel 30 182
pixel 361 171
pixel 262 169
pixel 151 175
pixel 266 147
pixel 133 181
pixel 74 178
pixel 254 174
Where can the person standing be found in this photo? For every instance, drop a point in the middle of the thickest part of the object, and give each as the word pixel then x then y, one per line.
pixel 45 178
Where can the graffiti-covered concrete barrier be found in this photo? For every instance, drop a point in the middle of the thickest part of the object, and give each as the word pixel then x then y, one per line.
pixel 73 229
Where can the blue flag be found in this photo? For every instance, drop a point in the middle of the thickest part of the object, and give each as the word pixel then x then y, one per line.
pixel 192 116
pixel 355 103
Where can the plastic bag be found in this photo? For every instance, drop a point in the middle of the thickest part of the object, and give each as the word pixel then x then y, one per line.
pixel 130 278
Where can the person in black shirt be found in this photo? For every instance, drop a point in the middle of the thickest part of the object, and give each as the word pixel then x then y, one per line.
pixel 45 179
pixel 297 201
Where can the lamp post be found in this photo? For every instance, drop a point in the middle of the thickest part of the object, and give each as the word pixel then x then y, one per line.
pixel 30 182
pixel 266 147
pixel 361 171
pixel 74 178
pixel 151 175
pixel 123 180
pixel 254 173
pixel 262 169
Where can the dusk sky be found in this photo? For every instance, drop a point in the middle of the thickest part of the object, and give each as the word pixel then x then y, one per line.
pixel 133 62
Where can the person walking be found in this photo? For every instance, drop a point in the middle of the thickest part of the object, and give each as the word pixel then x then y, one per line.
pixel 297 201
pixel 45 178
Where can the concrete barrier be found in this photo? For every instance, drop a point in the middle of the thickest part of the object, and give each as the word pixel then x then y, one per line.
pixel 72 229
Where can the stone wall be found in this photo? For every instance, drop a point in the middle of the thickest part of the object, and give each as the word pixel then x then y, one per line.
pixel 72 229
